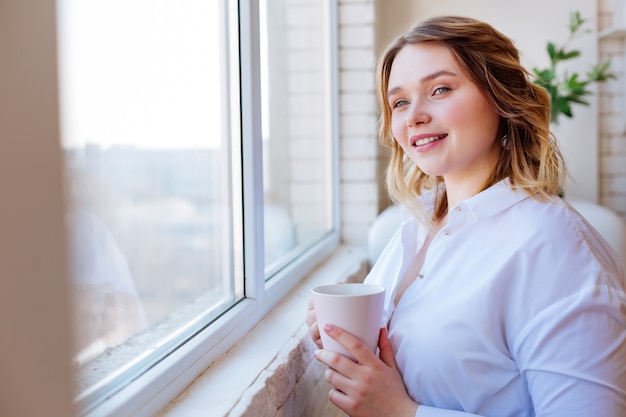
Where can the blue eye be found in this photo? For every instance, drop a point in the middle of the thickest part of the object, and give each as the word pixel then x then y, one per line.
pixel 400 103
pixel 440 90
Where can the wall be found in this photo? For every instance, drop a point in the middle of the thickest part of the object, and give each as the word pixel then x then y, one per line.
pixel 296 136
pixel 35 349
pixel 359 149
pixel 613 107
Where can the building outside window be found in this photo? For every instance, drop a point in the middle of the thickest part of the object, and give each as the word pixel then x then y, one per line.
pixel 199 142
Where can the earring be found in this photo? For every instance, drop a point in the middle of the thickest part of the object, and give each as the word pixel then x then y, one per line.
pixel 505 141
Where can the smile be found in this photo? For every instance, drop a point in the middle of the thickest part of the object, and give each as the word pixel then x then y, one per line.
pixel 429 139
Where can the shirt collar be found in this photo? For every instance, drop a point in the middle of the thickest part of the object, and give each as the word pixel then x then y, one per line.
pixel 487 203
pixel 494 199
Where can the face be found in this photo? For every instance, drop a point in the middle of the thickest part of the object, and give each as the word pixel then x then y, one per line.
pixel 439 117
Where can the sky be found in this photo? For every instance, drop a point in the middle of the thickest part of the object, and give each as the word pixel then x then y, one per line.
pixel 140 72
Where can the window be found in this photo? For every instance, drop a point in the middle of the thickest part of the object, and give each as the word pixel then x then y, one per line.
pixel 296 126
pixel 199 144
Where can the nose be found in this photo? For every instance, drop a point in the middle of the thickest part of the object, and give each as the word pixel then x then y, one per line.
pixel 416 115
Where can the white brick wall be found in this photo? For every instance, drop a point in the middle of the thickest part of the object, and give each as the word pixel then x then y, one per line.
pixel 358 120
pixel 359 170
pixel 612 101
pixel 360 35
pixel 359 148
pixel 356 80
pixel 356 13
pixel 299 114
pixel 297 150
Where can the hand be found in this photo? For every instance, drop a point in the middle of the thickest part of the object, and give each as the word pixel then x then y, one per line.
pixel 372 386
pixel 311 322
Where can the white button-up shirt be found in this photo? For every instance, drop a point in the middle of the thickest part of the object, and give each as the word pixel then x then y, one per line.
pixel 519 311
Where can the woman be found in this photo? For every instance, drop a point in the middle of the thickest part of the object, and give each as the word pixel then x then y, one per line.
pixel 501 299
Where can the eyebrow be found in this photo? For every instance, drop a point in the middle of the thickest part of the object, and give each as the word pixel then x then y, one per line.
pixel 424 79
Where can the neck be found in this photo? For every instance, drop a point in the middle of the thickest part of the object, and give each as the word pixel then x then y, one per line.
pixel 459 191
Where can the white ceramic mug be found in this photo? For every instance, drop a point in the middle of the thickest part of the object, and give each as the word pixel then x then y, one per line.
pixel 356 308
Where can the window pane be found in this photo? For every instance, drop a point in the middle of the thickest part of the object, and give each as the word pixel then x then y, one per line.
pixel 297 133
pixel 148 142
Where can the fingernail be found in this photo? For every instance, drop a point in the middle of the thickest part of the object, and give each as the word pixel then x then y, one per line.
pixel 329 328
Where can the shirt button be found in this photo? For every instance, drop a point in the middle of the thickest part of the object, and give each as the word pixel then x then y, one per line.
pixel 447 233
pixel 420 276
pixel 458 208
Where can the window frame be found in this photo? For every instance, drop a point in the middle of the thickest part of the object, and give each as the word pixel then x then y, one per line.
pixel 151 392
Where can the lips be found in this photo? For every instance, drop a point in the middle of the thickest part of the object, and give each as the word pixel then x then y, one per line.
pixel 426 139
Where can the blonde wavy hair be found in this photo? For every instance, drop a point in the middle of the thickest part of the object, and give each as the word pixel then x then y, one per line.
pixel 531 160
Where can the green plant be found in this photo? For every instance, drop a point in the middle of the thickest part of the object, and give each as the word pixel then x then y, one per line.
pixel 566 89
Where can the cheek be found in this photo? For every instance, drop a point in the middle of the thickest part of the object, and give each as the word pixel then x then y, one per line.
pixel 398 130
pixel 460 114
pixel 475 116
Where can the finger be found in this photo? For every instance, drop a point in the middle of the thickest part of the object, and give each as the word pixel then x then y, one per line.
pixel 314 329
pixel 352 344
pixel 336 396
pixel 337 380
pixel 311 317
pixel 314 332
pixel 386 349
pixel 336 361
pixel 340 399
pixel 311 321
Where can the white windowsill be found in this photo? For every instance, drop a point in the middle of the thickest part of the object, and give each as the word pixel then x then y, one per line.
pixel 230 385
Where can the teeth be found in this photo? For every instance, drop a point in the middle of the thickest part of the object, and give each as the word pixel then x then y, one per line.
pixel 424 141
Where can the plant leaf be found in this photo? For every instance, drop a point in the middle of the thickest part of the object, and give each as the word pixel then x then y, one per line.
pixel 566 90
pixel 578 100
pixel 569 55
pixel 563 106
pixel 544 77
pixel 600 73
pixel 552 53
pixel 575 22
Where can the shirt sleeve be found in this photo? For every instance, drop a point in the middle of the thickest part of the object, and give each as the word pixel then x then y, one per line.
pixel 573 355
